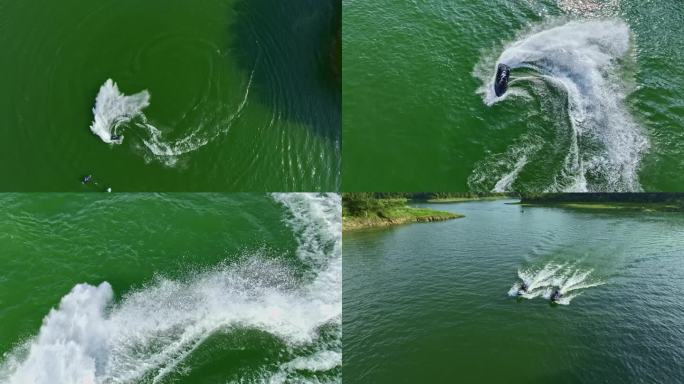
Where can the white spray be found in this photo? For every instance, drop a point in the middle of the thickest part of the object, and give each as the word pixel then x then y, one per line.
pixel 113 108
pixel 581 58
pixel 90 339
pixel 568 279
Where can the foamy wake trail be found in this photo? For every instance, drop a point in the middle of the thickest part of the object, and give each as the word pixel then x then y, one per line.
pixel 505 182
pixel 570 279
pixel 582 59
pixel 114 111
pixel 207 130
pixel 113 108
pixel 89 338
pixel 310 212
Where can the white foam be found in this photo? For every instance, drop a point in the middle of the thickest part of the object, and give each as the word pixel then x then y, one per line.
pixel 318 362
pixel 505 182
pixel 113 108
pixel 310 213
pixel 535 279
pixel 321 361
pixel 89 338
pixel 582 59
pixel 502 170
pixel 569 279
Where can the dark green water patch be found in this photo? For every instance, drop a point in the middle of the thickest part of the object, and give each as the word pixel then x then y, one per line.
pixel 292 46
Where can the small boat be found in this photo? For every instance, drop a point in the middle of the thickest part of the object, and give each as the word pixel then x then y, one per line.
pixel 503 72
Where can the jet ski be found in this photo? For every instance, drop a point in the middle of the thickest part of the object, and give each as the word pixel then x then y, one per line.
pixel 503 72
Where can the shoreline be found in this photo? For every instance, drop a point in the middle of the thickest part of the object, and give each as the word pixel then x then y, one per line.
pixel 404 215
pixel 625 207
pixel 644 202
pixel 453 200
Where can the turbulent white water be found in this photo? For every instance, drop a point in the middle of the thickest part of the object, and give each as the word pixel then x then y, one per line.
pixel 89 338
pixel 114 111
pixel 582 59
pixel 541 282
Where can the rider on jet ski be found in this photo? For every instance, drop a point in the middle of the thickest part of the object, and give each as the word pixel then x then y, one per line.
pixel 523 288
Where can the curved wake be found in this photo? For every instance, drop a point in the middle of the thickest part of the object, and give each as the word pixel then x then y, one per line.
pixel 89 338
pixel 114 111
pixel 604 145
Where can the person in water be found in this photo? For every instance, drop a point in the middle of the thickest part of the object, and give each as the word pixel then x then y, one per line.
pixel 556 295
pixel 524 287
pixel 87 179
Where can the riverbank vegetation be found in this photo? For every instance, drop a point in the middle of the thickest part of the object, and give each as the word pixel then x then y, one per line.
pixel 661 202
pixel 439 197
pixel 457 197
pixel 368 210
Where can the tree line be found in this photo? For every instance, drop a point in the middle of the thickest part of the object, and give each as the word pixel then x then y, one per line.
pixel 359 203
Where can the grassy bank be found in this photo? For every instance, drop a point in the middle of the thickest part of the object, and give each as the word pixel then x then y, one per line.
pixel 361 211
pixel 466 199
pixel 644 207
pixel 646 202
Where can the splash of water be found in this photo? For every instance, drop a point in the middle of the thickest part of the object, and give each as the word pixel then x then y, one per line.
pixel 318 362
pixel 581 59
pixel 505 182
pixel 89 338
pixel 310 212
pixel 569 279
pixel 535 279
pixel 113 111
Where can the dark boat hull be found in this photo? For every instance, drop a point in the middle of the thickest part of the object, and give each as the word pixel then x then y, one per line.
pixel 503 72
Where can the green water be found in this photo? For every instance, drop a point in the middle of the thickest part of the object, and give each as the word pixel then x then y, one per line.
pixel 170 288
pixel 430 302
pixel 415 109
pixel 245 95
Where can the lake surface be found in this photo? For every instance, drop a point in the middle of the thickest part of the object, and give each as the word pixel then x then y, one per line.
pixel 228 95
pixel 594 102
pixel 431 303
pixel 170 288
